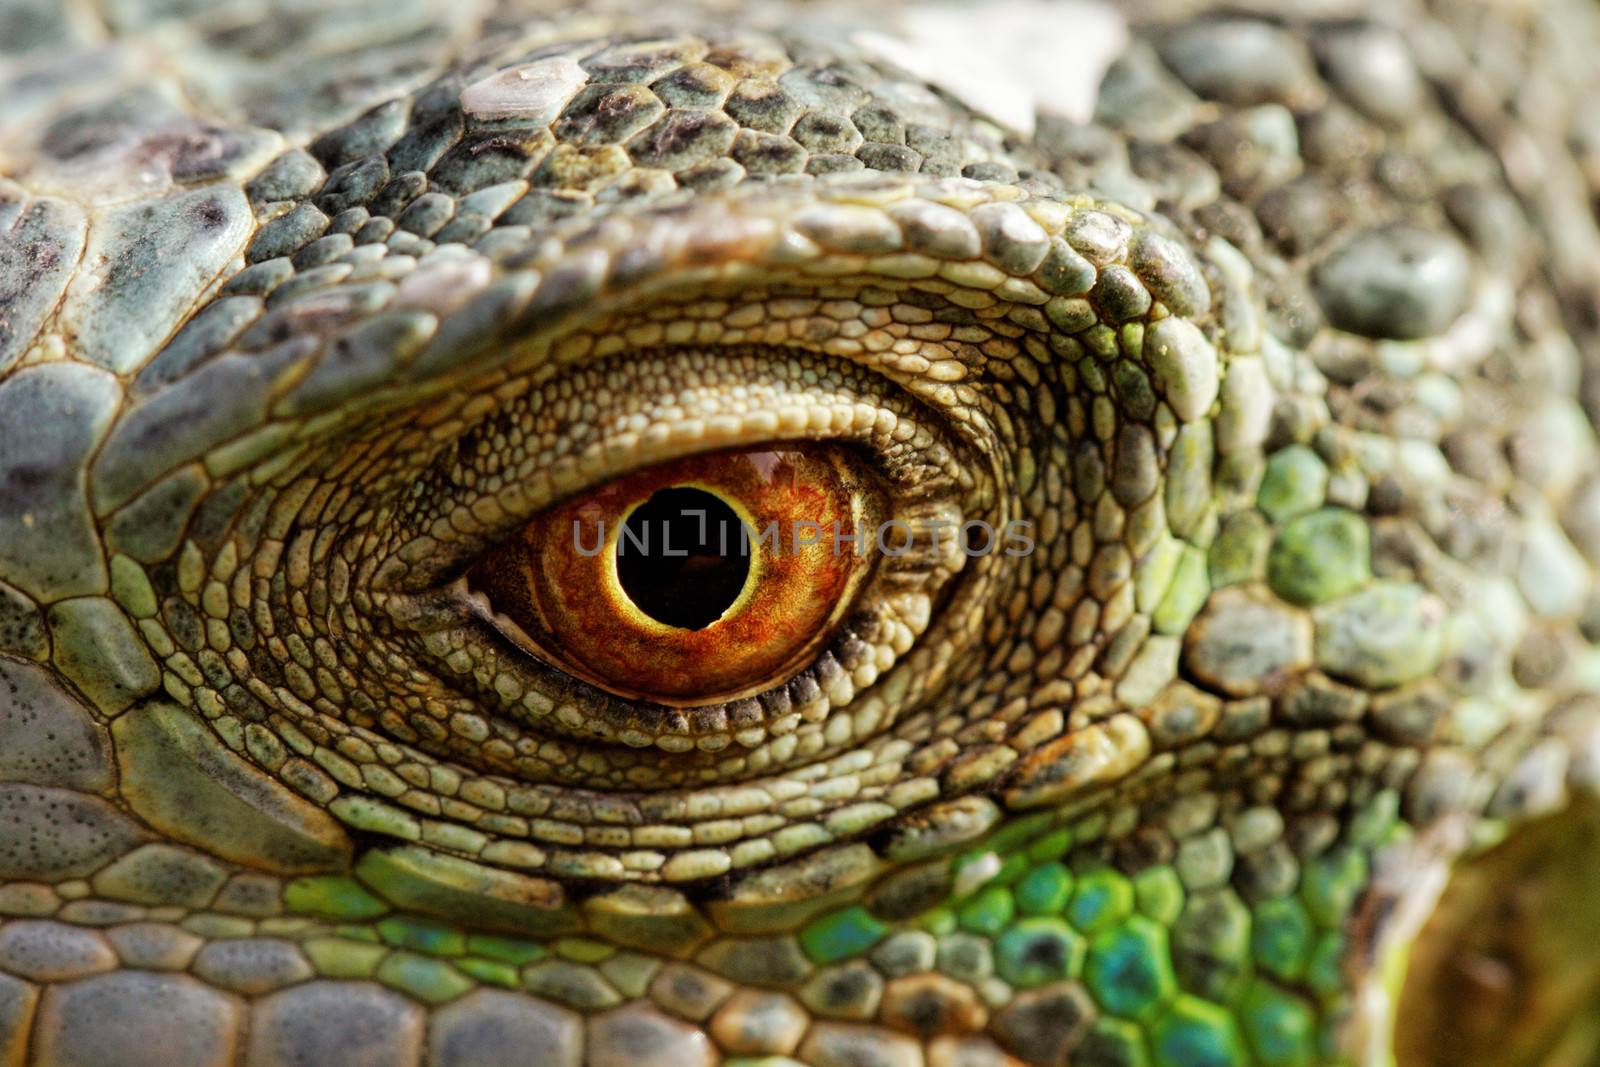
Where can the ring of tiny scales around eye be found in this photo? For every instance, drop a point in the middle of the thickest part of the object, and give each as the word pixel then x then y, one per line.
pixel 1155 626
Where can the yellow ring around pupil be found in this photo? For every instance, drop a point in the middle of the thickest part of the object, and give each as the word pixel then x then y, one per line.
pixel 637 615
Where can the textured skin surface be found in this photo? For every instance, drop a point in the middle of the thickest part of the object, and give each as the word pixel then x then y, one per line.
pixel 1288 356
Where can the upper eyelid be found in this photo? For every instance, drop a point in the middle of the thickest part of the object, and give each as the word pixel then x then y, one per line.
pixel 529 478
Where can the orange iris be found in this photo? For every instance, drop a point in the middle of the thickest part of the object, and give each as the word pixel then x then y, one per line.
pixel 705 579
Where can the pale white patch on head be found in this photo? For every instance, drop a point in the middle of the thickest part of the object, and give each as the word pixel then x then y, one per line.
pixel 534 92
pixel 1009 59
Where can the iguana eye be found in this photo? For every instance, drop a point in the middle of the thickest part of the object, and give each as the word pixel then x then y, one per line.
pixel 587 653
pixel 708 578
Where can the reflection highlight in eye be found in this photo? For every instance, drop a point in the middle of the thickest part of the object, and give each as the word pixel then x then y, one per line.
pixel 704 579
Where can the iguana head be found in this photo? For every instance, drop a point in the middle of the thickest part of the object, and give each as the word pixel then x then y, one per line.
pixel 682 534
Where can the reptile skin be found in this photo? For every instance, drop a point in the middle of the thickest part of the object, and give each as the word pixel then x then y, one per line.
pixel 1281 747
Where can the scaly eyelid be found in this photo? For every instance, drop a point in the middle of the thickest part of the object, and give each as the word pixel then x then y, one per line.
pixel 545 445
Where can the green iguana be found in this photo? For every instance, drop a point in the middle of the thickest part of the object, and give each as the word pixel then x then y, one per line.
pixel 1184 654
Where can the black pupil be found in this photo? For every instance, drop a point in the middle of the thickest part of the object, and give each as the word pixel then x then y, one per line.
pixel 681 557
